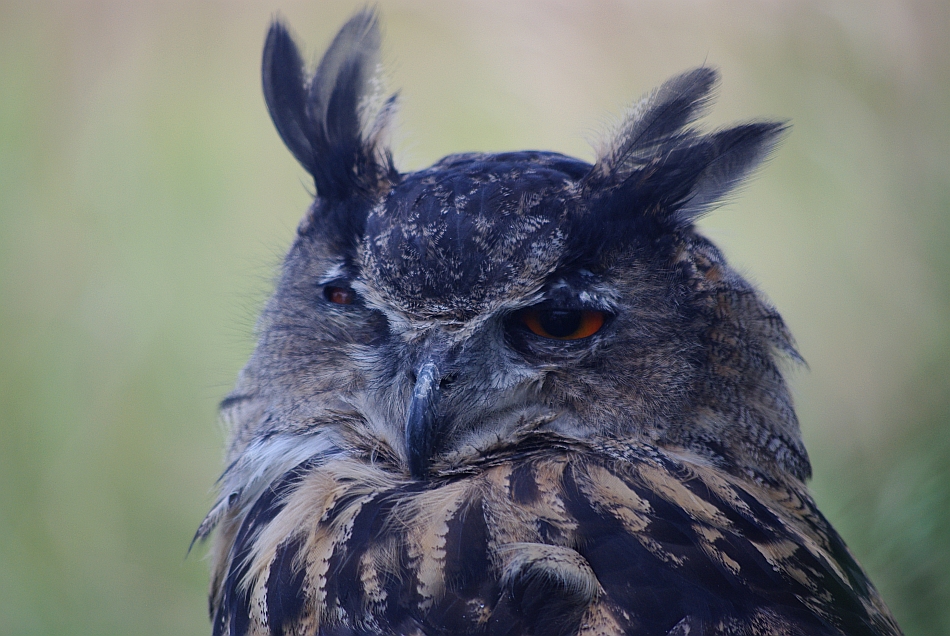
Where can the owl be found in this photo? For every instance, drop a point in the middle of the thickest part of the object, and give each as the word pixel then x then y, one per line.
pixel 517 393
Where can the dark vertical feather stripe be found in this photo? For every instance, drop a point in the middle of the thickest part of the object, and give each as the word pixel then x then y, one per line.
pixel 844 608
pixel 233 614
pixel 471 585
pixel 345 587
pixel 522 484
pixel 688 583
pixel 285 587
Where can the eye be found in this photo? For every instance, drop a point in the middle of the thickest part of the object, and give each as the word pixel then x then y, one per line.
pixel 563 324
pixel 339 295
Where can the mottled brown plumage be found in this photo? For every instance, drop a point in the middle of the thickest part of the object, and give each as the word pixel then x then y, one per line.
pixel 518 393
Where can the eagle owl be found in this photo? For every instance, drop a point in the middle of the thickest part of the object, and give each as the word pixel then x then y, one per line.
pixel 517 393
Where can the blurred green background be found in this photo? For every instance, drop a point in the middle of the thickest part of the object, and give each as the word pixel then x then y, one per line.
pixel 145 202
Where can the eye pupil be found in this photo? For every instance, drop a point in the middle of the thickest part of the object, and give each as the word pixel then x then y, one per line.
pixel 339 295
pixel 560 324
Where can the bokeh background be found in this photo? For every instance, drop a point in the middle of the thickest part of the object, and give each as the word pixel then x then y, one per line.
pixel 145 202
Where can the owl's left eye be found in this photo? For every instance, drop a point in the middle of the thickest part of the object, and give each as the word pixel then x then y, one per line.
pixel 339 295
pixel 563 324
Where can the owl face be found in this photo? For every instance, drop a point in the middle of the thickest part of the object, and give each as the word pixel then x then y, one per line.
pixel 480 321
pixel 430 317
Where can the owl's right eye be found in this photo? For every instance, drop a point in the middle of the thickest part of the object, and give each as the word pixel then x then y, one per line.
pixel 339 295
pixel 561 324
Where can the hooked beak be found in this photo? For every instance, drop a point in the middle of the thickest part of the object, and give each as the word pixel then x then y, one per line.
pixel 422 423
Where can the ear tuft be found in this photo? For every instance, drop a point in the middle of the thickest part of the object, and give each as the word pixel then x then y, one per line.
pixel 724 160
pixel 660 172
pixel 321 118
pixel 657 120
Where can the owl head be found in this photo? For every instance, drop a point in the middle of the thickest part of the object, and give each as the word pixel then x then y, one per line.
pixel 425 320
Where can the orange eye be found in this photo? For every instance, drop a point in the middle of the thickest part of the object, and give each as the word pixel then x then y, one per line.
pixel 560 324
pixel 339 295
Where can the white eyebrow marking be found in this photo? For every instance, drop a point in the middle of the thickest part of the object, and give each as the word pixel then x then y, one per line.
pixel 334 273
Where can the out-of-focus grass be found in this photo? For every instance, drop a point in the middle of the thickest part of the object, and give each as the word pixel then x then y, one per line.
pixel 145 199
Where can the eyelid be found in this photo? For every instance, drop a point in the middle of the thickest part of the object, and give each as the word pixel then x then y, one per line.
pixel 575 301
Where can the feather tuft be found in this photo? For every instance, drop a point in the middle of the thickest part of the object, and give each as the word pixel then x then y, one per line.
pixel 322 118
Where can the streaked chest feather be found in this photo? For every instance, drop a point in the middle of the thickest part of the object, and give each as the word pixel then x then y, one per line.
pixel 618 539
